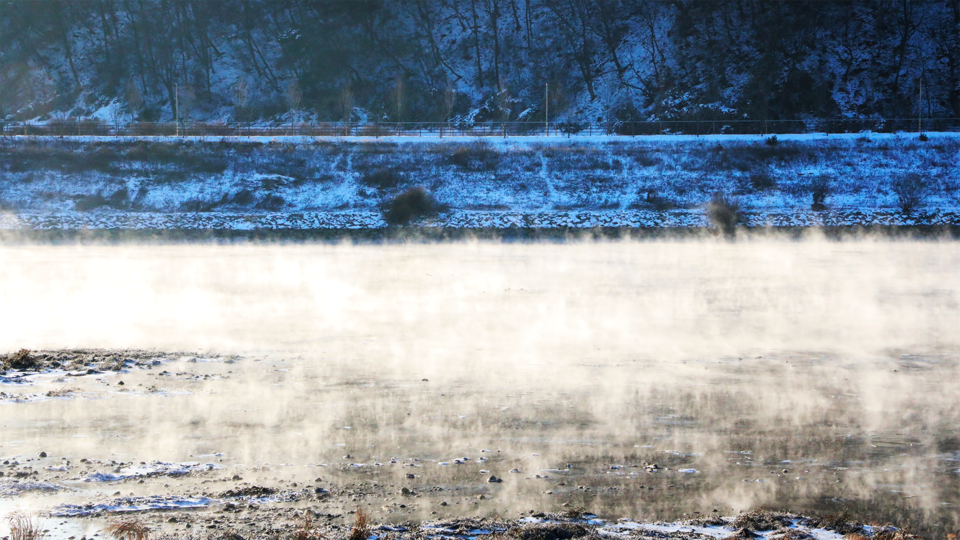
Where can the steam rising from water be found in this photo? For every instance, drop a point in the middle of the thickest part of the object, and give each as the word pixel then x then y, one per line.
pixel 587 353
pixel 484 304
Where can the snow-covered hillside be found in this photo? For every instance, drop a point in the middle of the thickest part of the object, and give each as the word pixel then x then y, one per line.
pixel 588 62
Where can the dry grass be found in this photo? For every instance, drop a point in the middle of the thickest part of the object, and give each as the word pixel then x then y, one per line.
pixel 306 530
pixel 128 529
pixel 893 534
pixel 24 527
pixel 576 512
pixel 361 527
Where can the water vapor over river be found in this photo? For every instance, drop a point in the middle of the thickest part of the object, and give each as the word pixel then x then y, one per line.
pixel 765 371
pixel 488 304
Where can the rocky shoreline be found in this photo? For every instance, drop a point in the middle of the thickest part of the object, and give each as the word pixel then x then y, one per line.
pixel 307 221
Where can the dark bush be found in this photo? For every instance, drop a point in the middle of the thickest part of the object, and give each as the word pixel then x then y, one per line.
pixel 911 191
pixel 415 203
pixel 244 197
pixel 748 158
pixel 762 181
pixel 271 203
pixel 724 213
pixel 924 138
pixel 120 199
pixel 771 141
pixel 478 156
pixel 657 201
pixel 197 205
pixel 819 189
pixel 382 179
pixel 90 202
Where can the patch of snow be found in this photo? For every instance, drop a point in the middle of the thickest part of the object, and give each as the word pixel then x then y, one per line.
pixel 156 468
pixel 15 488
pixel 132 504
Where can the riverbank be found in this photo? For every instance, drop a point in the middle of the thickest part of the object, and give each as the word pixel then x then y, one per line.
pixel 304 183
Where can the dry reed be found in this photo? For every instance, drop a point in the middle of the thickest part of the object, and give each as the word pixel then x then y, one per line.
pixel 361 528
pixel 24 527
pixel 128 529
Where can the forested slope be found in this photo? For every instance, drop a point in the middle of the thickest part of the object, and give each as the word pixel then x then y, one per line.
pixel 476 60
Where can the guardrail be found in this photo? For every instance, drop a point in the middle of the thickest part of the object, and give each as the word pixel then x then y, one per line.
pixel 491 129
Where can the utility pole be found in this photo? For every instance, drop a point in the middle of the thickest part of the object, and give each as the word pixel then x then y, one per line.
pixel 176 110
pixel 920 107
pixel 546 104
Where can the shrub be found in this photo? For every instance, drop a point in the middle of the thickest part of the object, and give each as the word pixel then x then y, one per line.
pixel 477 156
pixel 382 179
pixel 762 181
pixel 658 201
pixel 90 202
pixel 271 203
pixel 724 213
pixel 128 529
pixel 771 141
pixel 415 203
pixel 819 189
pixel 911 192
pixel 119 199
pixel 924 138
pixel 24 527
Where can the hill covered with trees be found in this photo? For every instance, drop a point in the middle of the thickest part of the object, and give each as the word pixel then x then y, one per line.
pixel 470 61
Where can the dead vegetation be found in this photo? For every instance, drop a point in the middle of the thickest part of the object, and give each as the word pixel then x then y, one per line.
pixel 61 392
pixel 23 526
pixel 415 203
pixel 911 192
pixel 476 157
pixel 576 512
pixel 550 531
pixel 20 360
pixel 128 529
pixel 361 527
pixel 819 189
pixel 839 522
pixel 306 530
pixel 724 214
pixel 890 533
pixel 762 520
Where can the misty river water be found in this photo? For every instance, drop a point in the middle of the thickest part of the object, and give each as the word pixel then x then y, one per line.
pixel 805 375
